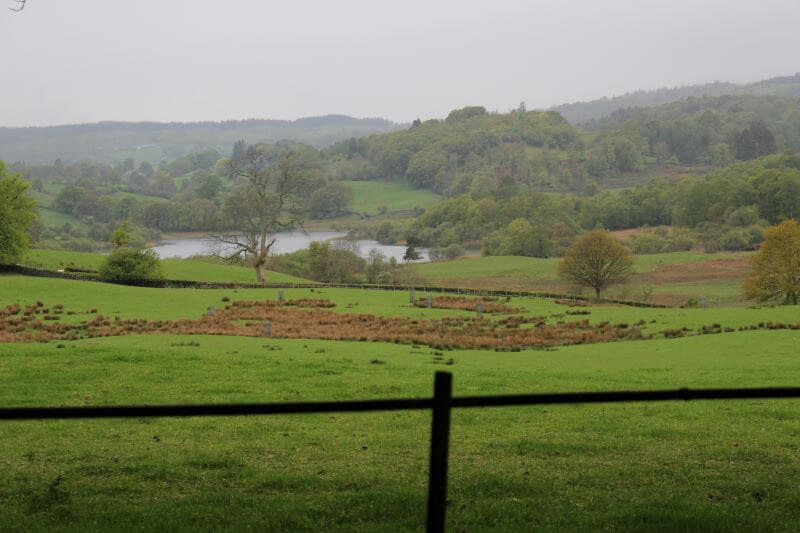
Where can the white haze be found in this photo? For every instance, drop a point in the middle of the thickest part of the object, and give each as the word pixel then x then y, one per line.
pixel 68 61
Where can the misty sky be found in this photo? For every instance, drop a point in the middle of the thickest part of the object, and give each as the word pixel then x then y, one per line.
pixel 67 61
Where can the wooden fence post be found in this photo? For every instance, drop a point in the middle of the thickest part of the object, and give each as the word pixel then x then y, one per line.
pixel 440 440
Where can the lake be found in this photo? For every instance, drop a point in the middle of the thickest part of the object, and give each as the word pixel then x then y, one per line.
pixel 287 242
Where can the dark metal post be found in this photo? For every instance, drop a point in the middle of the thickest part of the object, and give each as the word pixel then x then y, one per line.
pixel 440 439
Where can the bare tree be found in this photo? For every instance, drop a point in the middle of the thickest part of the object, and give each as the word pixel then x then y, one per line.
pixel 271 198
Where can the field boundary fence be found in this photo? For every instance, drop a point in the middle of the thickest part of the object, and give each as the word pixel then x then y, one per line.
pixel 441 405
pixel 189 284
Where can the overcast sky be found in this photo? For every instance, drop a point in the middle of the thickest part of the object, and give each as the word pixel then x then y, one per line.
pixel 68 61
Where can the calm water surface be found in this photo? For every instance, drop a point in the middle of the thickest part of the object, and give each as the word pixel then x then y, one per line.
pixel 287 243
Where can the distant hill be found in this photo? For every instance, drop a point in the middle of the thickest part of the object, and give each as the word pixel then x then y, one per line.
pixel 694 129
pixel 106 142
pixel 582 112
pixel 469 150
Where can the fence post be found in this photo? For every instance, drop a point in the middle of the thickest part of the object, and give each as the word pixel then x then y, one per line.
pixel 440 437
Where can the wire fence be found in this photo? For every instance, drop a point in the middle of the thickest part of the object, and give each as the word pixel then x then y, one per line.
pixel 441 405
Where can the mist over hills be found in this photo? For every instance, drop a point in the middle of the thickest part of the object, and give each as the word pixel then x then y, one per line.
pixel 113 141
pixel 580 113
pixel 106 142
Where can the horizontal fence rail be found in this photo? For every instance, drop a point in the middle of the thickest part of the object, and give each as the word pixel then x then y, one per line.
pixel 440 404
pixel 409 404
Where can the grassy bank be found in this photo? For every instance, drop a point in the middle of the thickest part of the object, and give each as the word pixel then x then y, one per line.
pixel 670 278
pixel 203 269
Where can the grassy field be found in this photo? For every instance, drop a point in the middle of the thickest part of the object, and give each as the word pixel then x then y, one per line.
pixel 43 199
pixel 672 277
pixel 119 195
pixel 181 269
pixel 690 465
pixel 54 219
pixel 394 195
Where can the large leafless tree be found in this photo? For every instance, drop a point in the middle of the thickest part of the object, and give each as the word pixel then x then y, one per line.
pixel 271 197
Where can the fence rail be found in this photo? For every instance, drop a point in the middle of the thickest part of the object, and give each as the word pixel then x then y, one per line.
pixel 441 405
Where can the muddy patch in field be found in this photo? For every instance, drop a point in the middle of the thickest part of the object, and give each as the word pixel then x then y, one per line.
pixel 311 319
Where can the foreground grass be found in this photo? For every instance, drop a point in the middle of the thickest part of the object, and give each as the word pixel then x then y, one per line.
pixel 698 465
pixel 675 466
pixel 182 269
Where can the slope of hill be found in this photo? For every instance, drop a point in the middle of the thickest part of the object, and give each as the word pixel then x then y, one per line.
pixel 470 149
pixel 150 141
pixel 703 130
pixel 582 112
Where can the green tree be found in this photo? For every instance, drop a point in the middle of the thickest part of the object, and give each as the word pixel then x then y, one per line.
pixel 331 264
pixel 596 260
pixel 17 214
pixel 209 187
pixel 721 155
pixel 146 169
pixel 330 201
pixel 411 253
pixel 756 140
pixel 67 198
pixel 130 264
pixel 122 235
pixel 465 113
pixel 523 239
pixel 775 271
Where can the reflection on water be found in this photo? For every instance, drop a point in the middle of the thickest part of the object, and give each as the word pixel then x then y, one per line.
pixel 287 243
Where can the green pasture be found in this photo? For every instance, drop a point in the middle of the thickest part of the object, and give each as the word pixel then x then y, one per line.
pixel 54 219
pixel 675 466
pixel 545 269
pixel 530 273
pixel 43 199
pixel 705 466
pixel 119 195
pixel 394 195
pixel 166 304
pixel 181 269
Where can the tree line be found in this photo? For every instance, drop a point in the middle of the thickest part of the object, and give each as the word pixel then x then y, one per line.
pixel 725 209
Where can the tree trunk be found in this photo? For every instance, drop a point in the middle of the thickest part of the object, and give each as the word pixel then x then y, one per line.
pixel 597 294
pixel 259 264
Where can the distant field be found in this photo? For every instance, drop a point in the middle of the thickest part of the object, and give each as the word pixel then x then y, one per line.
pixel 43 199
pixel 673 277
pixel 182 269
pixel 394 195
pixel 54 219
pixel 679 466
pixel 118 195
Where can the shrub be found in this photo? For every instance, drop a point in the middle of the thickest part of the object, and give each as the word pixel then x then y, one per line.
pixel 130 264
pixel 454 251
